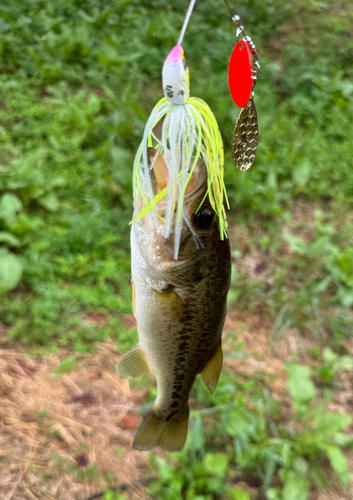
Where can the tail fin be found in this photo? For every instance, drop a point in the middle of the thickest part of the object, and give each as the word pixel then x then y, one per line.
pixel 168 434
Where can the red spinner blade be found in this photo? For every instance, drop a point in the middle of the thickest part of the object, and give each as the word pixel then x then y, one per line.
pixel 239 74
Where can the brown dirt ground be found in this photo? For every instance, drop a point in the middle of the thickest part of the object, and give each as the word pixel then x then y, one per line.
pixel 55 427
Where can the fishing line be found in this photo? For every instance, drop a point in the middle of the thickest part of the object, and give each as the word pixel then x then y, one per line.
pixel 230 10
pixel 186 21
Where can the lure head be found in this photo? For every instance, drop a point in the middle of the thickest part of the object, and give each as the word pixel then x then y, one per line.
pixel 175 77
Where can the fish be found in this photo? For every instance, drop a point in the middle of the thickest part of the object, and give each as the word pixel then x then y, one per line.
pixel 179 304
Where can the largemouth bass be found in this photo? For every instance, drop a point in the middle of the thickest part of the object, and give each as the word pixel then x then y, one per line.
pixel 179 305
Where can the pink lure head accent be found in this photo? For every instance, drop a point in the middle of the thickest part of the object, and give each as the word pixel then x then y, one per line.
pixel 175 77
pixel 175 54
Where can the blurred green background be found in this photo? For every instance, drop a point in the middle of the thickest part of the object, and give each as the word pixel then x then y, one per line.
pixel 78 80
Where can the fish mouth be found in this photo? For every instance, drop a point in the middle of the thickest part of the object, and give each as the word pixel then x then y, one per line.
pixel 194 188
pixel 163 247
pixel 192 191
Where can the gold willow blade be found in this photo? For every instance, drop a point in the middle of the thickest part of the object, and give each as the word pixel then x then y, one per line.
pixel 245 137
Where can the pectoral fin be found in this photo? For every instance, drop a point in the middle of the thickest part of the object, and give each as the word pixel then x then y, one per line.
pixel 133 364
pixel 210 374
pixel 171 304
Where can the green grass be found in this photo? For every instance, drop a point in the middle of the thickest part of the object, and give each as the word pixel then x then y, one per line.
pixel 78 81
pixel 245 436
pixel 306 281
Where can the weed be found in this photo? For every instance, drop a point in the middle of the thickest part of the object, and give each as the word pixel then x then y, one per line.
pixel 113 495
pixel 332 365
pixel 67 365
pixel 253 441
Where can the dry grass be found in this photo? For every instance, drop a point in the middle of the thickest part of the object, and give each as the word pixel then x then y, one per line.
pixel 56 428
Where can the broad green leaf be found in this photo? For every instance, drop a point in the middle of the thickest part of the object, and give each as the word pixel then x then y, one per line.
pixel 9 239
pixel 237 493
pixel 301 174
pixel 274 494
pixel 332 422
pixel 317 476
pixel 50 202
pixel 328 355
pixel 296 487
pixel 215 484
pixel 113 495
pixel 296 244
pixel 338 463
pixel 167 493
pixel 300 385
pixel 345 362
pixel 237 423
pixel 343 439
pixel 346 298
pixel 10 205
pixel 345 260
pixel 300 465
pixel 319 246
pixel 216 463
pixel 10 272
pixel 166 471
pixel 93 104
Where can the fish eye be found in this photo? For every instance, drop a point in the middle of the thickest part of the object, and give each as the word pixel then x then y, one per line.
pixel 203 218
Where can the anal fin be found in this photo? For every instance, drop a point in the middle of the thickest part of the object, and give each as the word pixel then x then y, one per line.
pixel 211 372
pixel 171 304
pixel 133 364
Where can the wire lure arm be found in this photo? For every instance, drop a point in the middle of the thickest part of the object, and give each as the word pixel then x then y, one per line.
pixel 255 66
